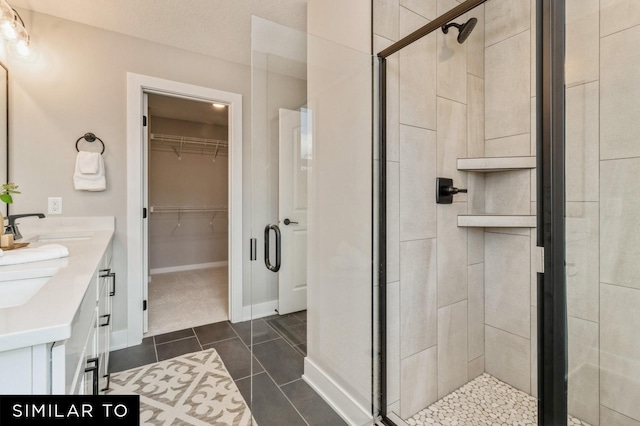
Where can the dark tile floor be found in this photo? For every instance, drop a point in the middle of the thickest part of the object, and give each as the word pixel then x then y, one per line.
pixel 279 395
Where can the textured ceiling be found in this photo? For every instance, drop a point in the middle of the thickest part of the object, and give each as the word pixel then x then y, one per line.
pixel 219 28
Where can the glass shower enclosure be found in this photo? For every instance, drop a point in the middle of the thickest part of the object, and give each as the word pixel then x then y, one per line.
pixel 602 168
pixel 310 278
pixel 532 107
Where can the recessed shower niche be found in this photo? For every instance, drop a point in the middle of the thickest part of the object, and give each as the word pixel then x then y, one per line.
pixel 503 179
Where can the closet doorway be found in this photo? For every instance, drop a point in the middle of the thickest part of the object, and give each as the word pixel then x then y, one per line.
pixel 188 239
pixel 187 184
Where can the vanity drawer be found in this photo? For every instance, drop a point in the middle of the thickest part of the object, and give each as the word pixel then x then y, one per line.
pixel 68 354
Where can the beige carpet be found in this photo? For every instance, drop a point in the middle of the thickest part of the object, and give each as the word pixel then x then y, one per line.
pixel 179 300
pixel 193 389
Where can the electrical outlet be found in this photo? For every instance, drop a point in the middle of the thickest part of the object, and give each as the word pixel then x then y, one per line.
pixel 55 205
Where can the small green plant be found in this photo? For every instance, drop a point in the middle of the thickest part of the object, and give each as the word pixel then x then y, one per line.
pixel 6 190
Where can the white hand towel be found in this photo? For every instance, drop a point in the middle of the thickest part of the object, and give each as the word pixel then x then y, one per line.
pixel 46 252
pixel 89 181
pixel 88 162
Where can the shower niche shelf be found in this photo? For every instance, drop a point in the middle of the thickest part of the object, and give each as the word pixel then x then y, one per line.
pixel 496 221
pixel 496 164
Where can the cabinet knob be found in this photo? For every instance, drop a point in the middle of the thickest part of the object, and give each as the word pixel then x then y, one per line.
pixel 108 317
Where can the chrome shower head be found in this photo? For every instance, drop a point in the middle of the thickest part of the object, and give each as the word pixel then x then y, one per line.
pixel 464 29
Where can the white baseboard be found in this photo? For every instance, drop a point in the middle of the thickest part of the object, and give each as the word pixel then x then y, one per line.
pixel 188 267
pixel 118 340
pixel 343 403
pixel 259 310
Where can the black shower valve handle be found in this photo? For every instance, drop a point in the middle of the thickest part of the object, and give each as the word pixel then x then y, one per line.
pixel 445 190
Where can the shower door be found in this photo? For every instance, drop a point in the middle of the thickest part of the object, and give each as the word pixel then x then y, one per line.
pixel 461 323
pixel 279 168
pixel 278 341
pixel 570 312
pixel 310 176
pixel 602 206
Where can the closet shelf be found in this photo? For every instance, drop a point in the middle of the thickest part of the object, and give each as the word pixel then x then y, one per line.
pixel 186 209
pixel 497 221
pixel 188 145
pixel 496 164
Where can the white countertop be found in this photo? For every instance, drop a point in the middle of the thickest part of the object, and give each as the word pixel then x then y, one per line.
pixel 48 315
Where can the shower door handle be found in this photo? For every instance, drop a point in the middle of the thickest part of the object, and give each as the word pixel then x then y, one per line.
pixel 267 255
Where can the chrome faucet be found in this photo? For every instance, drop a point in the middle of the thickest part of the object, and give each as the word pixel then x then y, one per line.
pixel 13 226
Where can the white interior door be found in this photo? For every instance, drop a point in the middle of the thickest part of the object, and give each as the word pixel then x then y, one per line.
pixel 293 166
pixel 145 221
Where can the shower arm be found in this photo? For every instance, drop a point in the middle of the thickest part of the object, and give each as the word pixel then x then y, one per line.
pixel 438 22
pixel 445 28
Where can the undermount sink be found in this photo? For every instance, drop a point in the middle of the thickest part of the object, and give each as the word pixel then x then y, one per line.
pixel 62 236
pixel 18 287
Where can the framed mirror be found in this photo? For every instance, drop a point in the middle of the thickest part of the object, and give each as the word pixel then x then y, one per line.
pixel 4 131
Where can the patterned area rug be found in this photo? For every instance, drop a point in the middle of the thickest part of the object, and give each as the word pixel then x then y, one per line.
pixel 193 389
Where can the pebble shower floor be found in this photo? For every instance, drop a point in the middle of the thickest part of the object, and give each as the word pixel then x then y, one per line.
pixel 483 401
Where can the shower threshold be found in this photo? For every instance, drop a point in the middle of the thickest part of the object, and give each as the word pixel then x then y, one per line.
pixel 483 401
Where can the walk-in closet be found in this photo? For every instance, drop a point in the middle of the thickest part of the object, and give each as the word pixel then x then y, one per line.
pixel 188 218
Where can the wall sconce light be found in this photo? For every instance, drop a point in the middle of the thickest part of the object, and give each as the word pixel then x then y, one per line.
pixel 13 30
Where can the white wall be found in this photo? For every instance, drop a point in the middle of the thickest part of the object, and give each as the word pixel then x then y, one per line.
pixel 339 356
pixel 77 84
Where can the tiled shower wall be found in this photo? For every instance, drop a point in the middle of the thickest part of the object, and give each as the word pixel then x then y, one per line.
pixel 511 258
pixel 435 114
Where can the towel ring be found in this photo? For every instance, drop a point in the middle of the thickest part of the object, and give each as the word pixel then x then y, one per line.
pixel 89 137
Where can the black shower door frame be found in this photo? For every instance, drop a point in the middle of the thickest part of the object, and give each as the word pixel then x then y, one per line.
pixel 550 167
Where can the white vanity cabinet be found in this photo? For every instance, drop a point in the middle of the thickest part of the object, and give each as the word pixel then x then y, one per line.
pixel 79 364
pixel 57 340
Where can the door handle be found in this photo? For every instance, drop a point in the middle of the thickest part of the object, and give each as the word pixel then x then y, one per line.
pixel 267 256
pixel 287 221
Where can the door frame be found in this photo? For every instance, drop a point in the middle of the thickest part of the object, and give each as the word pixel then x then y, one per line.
pixel 137 85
